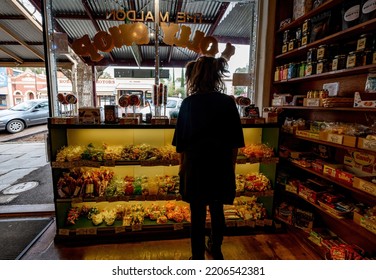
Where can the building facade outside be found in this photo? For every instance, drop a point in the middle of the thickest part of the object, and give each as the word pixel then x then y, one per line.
pixel 17 86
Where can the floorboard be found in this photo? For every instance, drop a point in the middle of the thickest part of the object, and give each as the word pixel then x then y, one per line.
pixel 273 246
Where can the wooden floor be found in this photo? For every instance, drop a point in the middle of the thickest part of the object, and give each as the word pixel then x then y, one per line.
pixel 282 246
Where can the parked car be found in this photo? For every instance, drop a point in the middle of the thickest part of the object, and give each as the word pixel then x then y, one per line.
pixel 172 106
pixel 23 115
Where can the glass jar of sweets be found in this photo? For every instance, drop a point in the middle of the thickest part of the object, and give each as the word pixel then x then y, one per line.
pixel 368 57
pixel 291 72
pixel 364 42
pixel 355 59
pixel 305 38
pixel 298 37
pixel 322 52
pixel 322 66
pixel 276 74
pixel 306 28
pixel 302 68
pixel 311 68
pixel 312 55
pixel 293 44
pixel 284 72
pixel 339 62
pixel 286 36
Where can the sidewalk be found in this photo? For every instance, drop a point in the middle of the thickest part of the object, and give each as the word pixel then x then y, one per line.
pixel 25 175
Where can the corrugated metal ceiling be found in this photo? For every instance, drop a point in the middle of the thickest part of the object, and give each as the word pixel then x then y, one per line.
pixel 228 21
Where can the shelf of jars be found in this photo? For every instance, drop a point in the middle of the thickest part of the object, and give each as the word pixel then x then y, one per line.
pixel 364 27
pixel 325 75
pixel 320 108
pixel 299 21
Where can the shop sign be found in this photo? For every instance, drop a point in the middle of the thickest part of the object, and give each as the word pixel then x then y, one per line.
pixel 137 33
pixel 132 15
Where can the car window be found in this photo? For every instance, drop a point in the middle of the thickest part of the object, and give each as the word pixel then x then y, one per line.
pixel 24 106
pixel 43 106
pixel 171 103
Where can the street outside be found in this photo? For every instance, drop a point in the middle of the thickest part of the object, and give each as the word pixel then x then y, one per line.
pixel 25 173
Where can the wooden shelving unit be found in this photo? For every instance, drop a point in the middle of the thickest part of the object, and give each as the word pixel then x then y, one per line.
pixel 350 80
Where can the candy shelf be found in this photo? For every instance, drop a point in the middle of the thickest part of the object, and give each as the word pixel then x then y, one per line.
pixel 64 135
pixel 355 234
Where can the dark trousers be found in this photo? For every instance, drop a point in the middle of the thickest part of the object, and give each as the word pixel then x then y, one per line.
pixel 198 218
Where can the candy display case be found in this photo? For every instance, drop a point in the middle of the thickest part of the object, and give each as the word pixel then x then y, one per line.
pixel 116 183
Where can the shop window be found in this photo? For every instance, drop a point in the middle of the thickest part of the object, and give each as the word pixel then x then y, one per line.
pixel 106 100
pixel 3 101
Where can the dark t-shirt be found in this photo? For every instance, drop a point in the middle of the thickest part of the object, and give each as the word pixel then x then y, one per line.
pixel 207 130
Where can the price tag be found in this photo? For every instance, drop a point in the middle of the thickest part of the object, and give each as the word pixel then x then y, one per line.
pixel 260 223
pixel 81 231
pixel 77 200
pixel 109 163
pixel 231 223
pixel 178 226
pixel 335 138
pixel 91 231
pixel 250 223
pixel 369 144
pixel 64 231
pixel 136 227
pixel 58 164
pixel 268 222
pixel 241 223
pixel 119 229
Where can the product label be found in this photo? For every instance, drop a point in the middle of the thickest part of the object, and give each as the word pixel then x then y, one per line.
pixel 352 13
pixel 351 60
pixel 304 40
pixel 320 53
pixel 119 229
pixel 291 46
pixel 367 187
pixel 369 144
pixel 319 68
pixel 369 6
pixel 305 27
pixel 361 44
pixel 309 70
pixel 335 64
pixel 178 226
pixel 284 48
pixel 335 138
